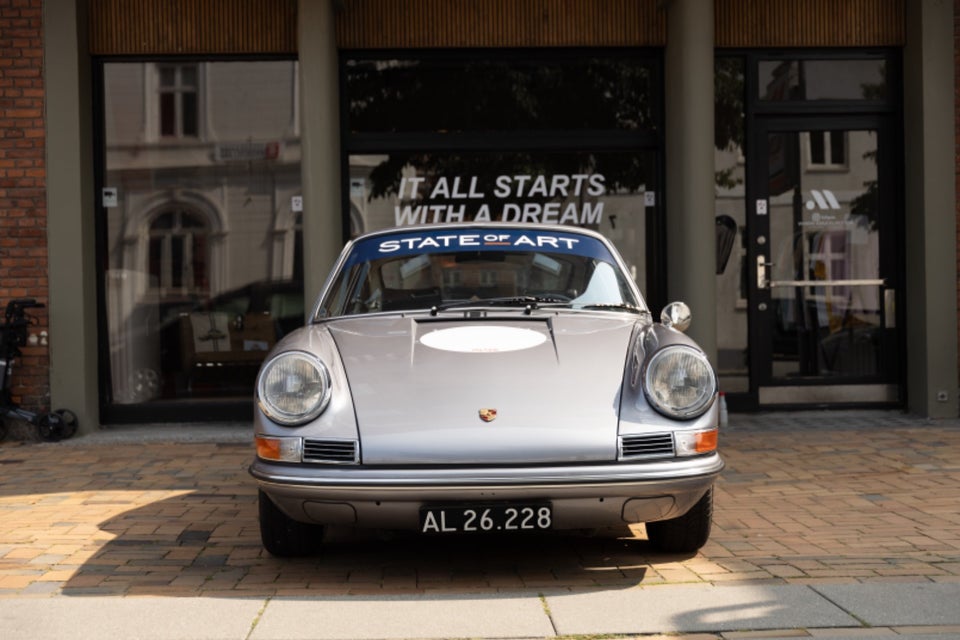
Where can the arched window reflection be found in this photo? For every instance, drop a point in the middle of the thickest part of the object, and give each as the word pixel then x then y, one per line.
pixel 179 244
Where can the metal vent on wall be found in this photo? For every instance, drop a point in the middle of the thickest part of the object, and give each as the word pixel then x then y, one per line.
pixel 654 445
pixel 331 451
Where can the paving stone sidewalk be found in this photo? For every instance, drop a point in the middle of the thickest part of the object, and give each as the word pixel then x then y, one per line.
pixel 806 499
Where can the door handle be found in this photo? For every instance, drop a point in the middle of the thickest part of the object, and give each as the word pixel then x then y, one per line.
pixel 874 282
pixel 762 264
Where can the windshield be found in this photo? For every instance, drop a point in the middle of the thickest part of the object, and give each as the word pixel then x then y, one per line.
pixel 445 269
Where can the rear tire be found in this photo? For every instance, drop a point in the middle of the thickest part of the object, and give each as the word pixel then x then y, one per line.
pixel 283 536
pixel 687 533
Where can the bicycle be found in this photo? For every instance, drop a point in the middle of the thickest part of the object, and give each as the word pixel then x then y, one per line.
pixel 51 425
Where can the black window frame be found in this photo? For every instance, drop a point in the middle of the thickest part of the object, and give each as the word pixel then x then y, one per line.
pixel 207 410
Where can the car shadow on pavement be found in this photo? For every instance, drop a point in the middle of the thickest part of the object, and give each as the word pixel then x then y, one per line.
pixel 82 517
pixel 201 543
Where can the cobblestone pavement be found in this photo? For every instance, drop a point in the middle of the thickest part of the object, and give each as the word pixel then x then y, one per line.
pixel 807 498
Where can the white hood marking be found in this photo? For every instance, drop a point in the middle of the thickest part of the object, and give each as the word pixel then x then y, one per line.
pixel 483 339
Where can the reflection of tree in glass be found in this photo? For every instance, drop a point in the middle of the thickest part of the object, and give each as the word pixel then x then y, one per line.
pixel 481 96
pixel 865 204
pixel 728 115
pixel 864 208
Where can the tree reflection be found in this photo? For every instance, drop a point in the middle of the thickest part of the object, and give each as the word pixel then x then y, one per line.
pixel 525 96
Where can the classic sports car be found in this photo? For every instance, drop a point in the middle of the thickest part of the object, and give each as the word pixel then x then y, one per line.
pixel 476 377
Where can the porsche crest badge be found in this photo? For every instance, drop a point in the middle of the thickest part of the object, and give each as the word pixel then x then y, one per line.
pixel 488 415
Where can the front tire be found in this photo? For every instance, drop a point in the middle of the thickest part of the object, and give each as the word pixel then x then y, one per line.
pixel 283 536
pixel 687 533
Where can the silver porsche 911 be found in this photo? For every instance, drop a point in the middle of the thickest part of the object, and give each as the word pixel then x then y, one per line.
pixel 483 378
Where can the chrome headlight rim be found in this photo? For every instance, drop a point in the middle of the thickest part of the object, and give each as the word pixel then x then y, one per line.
pixel 286 418
pixel 681 413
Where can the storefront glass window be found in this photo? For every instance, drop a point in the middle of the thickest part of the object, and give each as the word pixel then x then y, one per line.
pixel 203 261
pixel 549 137
pixel 799 80
pixel 731 221
pixel 611 192
pixel 481 93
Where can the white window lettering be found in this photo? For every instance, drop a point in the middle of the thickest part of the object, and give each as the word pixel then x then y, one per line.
pixel 597 185
pixel 578 180
pixel 592 213
pixel 502 186
pixel 558 187
pixel 531 212
pixel 571 215
pixel 415 183
pixel 539 187
pixel 474 193
pixel 440 189
pixel 551 213
pixel 409 215
pixel 521 183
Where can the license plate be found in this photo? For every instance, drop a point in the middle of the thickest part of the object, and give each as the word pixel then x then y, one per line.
pixel 486 517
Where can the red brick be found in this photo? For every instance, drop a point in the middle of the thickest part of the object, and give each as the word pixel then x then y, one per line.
pixel 23 242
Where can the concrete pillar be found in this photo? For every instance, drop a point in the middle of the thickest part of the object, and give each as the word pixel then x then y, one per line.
pixel 930 200
pixel 320 139
pixel 691 246
pixel 71 218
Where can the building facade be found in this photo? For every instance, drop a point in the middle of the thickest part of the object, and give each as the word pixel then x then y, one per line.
pixel 176 178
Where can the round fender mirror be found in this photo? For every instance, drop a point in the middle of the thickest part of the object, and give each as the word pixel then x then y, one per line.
pixel 676 315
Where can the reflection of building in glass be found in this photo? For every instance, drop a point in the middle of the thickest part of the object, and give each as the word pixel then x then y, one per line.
pixel 205 159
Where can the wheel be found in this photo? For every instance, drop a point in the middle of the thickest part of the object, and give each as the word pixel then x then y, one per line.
pixel 49 427
pixel 68 423
pixel 57 425
pixel 3 429
pixel 686 533
pixel 284 537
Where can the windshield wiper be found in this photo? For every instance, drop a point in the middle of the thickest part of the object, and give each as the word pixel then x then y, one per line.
pixel 529 302
pixel 624 306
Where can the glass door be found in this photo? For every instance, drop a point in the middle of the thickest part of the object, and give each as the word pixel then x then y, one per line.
pixel 823 310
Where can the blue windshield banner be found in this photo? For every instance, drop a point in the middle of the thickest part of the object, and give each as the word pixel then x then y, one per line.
pixel 446 240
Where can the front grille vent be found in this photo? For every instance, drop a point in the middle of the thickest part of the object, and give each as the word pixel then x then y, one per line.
pixel 331 451
pixel 654 445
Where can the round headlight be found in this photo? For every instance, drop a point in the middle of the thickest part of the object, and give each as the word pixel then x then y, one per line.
pixel 293 388
pixel 679 382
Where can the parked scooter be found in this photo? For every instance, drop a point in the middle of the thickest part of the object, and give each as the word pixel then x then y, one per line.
pixel 51 426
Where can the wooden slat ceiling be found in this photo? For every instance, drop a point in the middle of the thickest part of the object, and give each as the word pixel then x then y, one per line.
pixel 363 24
pixel 809 23
pixel 165 27
pixel 159 27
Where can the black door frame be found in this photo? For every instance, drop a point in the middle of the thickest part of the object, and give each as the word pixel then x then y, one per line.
pixel 886 388
pixel 757 110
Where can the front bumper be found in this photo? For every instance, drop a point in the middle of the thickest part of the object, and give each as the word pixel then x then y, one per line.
pixel 582 496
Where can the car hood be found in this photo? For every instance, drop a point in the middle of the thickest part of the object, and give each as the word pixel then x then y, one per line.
pixel 548 385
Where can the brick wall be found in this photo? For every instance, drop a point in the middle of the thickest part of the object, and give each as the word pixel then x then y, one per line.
pixel 23 208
